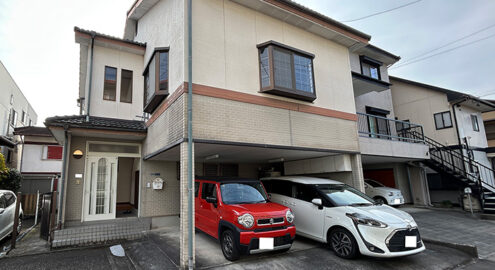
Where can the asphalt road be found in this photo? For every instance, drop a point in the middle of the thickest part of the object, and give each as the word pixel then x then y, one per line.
pixel 147 254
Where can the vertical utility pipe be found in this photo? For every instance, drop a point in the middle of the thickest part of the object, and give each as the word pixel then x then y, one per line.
pixel 90 75
pixel 63 177
pixel 189 135
pixel 37 207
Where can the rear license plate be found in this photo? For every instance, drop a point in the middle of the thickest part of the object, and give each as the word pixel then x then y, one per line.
pixel 396 201
pixel 266 243
pixel 411 241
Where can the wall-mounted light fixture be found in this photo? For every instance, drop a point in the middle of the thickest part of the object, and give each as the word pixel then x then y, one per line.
pixel 77 154
pixel 276 160
pixel 212 157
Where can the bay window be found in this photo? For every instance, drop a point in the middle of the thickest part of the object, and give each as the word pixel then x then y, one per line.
pixel 156 80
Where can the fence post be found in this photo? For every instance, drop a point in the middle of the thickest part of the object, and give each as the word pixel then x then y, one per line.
pixel 16 221
pixel 52 214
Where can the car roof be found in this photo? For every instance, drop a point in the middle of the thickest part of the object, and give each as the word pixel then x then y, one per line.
pixel 303 180
pixel 221 179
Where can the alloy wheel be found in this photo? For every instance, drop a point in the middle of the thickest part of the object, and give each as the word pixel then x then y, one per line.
pixel 341 244
pixel 228 244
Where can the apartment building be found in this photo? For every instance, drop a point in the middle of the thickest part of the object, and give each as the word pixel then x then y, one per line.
pixel 455 135
pixel 15 111
pixel 390 146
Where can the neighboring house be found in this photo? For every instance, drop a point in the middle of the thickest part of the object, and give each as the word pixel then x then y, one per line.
pixel 455 134
pixel 41 160
pixel 388 146
pixel 15 111
pixel 272 94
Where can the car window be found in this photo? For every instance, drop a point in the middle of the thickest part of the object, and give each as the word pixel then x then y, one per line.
pixel 279 187
pixel 306 192
pixel 9 199
pixel 209 190
pixel 3 203
pixel 243 193
pixel 196 189
pixel 343 195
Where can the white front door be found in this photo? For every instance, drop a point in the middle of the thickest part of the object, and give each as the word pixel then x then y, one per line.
pixel 100 188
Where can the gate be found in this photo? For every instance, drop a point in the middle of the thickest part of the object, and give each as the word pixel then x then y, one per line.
pixel 47 214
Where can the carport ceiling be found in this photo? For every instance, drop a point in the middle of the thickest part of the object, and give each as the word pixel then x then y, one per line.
pixel 240 154
pixel 367 159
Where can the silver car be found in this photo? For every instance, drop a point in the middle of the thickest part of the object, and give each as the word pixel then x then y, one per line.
pixel 7 213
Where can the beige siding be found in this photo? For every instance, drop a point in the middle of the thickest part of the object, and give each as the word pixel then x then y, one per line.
pixel 225 35
pixel 418 105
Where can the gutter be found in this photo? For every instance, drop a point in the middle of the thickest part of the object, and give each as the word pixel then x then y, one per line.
pixel 189 137
pixel 63 177
pixel 93 34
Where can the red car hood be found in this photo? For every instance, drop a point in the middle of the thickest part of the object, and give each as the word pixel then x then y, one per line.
pixel 268 209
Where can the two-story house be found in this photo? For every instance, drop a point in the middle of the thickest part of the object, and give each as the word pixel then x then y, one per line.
pixel 389 147
pixel 275 90
pixel 15 111
pixel 455 134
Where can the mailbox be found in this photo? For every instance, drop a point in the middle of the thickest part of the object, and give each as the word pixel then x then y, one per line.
pixel 158 183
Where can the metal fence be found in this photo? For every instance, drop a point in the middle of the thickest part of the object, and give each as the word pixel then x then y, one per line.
pixel 384 128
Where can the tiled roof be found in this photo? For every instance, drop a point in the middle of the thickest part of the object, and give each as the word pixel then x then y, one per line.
pixel 96 123
pixel 32 131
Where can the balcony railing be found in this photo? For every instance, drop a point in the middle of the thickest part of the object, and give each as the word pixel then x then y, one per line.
pixel 374 126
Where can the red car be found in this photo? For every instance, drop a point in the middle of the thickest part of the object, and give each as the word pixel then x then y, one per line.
pixel 239 214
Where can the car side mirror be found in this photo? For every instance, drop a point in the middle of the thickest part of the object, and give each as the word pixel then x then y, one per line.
pixel 317 202
pixel 2 210
pixel 212 200
pixel 269 196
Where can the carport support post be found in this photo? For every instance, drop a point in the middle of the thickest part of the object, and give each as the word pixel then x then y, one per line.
pixel 186 212
pixel 357 172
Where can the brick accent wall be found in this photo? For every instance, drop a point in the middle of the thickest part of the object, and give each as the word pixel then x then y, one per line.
pixel 184 251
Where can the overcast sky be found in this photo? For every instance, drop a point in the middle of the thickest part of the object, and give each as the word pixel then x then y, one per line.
pixel 37 42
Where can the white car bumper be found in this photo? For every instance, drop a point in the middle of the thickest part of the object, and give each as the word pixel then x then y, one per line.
pixel 388 242
pixel 395 200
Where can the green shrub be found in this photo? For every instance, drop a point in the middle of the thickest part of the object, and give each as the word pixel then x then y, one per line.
pixel 10 180
pixel 3 168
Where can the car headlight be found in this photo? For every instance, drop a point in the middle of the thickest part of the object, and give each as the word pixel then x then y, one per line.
pixel 390 193
pixel 246 220
pixel 367 221
pixel 289 216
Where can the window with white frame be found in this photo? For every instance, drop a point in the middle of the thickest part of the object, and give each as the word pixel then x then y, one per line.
pixel 474 121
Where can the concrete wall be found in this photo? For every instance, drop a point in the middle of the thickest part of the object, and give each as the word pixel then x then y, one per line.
pixel 330 164
pixel 32 160
pixel 478 138
pixel 418 105
pixel 381 100
pixel 159 202
pixel 382 147
pixel 164 26
pixel 225 35
pixel 121 60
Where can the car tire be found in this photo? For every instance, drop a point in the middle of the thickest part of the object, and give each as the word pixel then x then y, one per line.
pixel 229 246
pixel 343 243
pixel 380 200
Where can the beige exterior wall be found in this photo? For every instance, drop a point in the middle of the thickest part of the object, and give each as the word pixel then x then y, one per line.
pixel 477 138
pixel 164 26
pixel 121 60
pixel 226 120
pixel 419 105
pixel 225 35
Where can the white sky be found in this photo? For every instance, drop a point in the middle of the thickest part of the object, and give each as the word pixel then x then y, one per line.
pixel 37 42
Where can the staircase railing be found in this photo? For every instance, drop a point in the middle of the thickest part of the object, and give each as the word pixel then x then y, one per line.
pixel 459 164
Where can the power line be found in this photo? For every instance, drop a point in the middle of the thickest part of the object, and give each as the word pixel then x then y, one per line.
pixel 442 52
pixel 447 44
pixel 381 12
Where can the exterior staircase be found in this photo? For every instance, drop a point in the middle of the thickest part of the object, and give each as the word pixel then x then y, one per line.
pixel 454 163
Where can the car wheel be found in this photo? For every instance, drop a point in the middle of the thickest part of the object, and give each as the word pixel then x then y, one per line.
pixel 343 243
pixel 380 200
pixel 229 247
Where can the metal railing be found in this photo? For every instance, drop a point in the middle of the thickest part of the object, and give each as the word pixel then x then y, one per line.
pixel 385 128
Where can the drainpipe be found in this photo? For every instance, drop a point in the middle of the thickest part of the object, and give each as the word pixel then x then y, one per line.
pixel 189 134
pixel 93 34
pixel 63 177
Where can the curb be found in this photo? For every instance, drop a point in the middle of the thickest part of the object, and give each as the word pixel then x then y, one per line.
pixel 469 249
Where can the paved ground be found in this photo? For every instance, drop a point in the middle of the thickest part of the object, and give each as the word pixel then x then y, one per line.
pixel 26 224
pixel 159 251
pixel 456 226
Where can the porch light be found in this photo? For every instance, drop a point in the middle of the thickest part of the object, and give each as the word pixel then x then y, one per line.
pixel 77 154
pixel 212 157
pixel 276 160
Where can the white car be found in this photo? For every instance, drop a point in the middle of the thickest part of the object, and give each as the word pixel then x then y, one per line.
pixel 382 194
pixel 7 213
pixel 350 222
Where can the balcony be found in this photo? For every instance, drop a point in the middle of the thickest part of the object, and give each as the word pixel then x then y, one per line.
pixel 363 84
pixel 380 136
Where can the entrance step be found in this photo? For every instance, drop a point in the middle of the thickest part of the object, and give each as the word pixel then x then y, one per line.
pixel 99 232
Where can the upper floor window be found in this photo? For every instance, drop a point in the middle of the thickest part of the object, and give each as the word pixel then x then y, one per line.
pixel 12 99
pixel 474 121
pixel 156 79
pixel 443 120
pixel 23 117
pixel 13 117
pixel 110 84
pixel 53 152
pixel 370 67
pixel 286 71
pixel 126 86
pixel 30 122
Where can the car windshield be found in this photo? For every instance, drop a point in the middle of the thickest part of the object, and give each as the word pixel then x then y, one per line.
pixel 373 183
pixel 343 195
pixel 243 193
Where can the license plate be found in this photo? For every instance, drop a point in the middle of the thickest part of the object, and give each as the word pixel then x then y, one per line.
pixel 266 243
pixel 397 201
pixel 411 241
